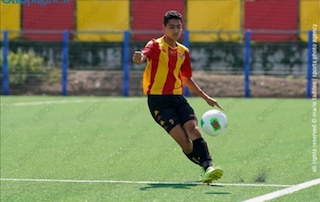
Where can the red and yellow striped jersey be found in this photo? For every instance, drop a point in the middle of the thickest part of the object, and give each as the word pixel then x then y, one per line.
pixel 165 66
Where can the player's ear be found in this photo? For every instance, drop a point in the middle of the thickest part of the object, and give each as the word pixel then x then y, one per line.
pixel 163 27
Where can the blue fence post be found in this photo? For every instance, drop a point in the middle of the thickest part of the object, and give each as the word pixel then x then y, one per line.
pixel 5 65
pixel 247 48
pixel 65 53
pixel 309 71
pixel 125 63
pixel 186 42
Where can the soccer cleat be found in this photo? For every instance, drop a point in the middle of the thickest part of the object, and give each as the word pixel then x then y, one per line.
pixel 211 174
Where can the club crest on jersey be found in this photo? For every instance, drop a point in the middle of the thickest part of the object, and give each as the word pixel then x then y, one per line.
pixel 181 55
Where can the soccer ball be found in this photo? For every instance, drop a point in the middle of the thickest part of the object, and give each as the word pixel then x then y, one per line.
pixel 214 122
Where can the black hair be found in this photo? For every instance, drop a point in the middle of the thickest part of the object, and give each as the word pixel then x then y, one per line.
pixel 171 15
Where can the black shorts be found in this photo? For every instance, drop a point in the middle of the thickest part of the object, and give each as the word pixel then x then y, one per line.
pixel 170 110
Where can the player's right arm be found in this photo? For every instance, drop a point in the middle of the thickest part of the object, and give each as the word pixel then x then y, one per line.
pixel 141 56
pixel 138 57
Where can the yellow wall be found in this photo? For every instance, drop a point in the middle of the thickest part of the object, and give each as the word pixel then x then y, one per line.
pixel 213 15
pixel 10 18
pixel 309 16
pixel 102 15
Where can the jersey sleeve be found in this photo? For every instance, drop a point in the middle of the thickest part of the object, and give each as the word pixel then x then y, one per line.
pixel 186 69
pixel 148 50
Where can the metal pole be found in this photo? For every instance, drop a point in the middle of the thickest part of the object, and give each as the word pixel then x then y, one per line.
pixel 65 53
pixel 5 65
pixel 125 63
pixel 247 48
pixel 186 42
pixel 309 71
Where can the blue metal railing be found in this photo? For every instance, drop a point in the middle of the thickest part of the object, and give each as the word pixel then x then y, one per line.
pixel 126 62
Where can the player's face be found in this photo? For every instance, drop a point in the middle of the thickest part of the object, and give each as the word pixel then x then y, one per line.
pixel 173 29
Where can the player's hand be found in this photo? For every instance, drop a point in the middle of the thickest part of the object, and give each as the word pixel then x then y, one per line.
pixel 137 57
pixel 212 102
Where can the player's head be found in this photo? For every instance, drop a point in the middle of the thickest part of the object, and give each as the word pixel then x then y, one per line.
pixel 172 24
pixel 171 15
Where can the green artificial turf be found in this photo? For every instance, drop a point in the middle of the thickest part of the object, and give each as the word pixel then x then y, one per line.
pixel 121 154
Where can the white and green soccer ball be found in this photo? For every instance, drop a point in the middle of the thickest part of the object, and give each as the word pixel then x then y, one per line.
pixel 214 122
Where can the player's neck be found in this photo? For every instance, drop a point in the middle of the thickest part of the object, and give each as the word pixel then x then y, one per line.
pixel 170 42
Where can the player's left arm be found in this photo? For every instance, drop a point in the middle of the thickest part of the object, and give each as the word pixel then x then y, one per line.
pixel 186 74
pixel 191 84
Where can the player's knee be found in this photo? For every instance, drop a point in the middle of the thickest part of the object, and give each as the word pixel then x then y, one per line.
pixel 195 133
pixel 192 129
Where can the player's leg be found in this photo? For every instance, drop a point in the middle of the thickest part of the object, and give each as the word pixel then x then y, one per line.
pixel 180 136
pixel 199 144
pixel 165 114
pixel 189 124
pixel 197 151
pixel 200 147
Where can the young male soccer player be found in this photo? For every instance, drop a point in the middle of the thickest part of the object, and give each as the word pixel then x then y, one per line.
pixel 168 69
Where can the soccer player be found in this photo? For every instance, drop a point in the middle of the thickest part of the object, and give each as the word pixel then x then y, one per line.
pixel 168 69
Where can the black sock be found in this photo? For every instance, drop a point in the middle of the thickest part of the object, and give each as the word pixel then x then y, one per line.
pixel 193 157
pixel 200 149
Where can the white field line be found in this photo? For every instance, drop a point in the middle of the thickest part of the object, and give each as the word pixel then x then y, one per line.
pixel 66 102
pixel 51 102
pixel 285 191
pixel 139 182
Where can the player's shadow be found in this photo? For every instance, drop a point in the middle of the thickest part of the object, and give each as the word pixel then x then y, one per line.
pixel 174 186
pixel 220 192
pixel 179 186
